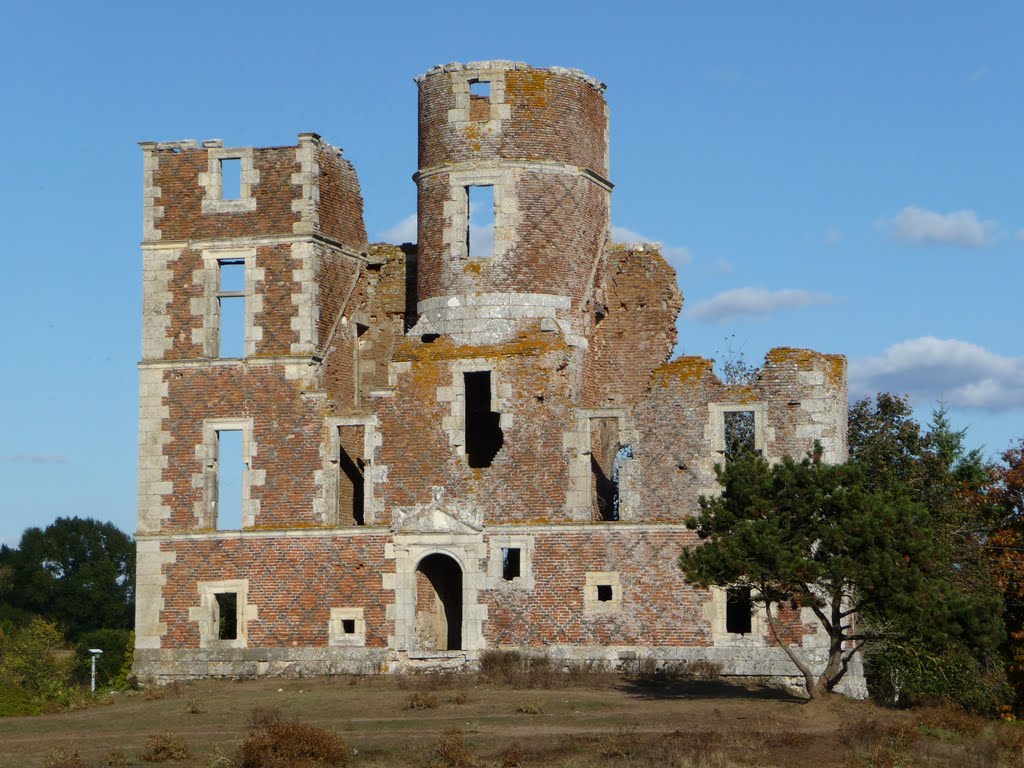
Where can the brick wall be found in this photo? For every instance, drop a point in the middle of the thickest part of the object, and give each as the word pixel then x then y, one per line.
pixel 293 582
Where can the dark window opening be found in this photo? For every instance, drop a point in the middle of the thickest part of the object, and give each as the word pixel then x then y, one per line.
pixel 348 626
pixel 351 475
pixel 480 218
pixel 231 178
pixel 227 615
pixel 230 480
pixel 604 593
pixel 231 308
pixel 739 434
pixel 738 608
pixel 484 437
pixel 510 563
pixel 607 457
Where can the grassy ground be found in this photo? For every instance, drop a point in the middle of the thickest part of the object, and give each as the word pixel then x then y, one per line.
pixel 460 721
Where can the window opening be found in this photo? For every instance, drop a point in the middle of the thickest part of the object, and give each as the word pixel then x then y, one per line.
pixel 484 437
pixel 511 558
pixel 348 626
pixel 479 100
pixel 230 478
pixel 739 433
pixel 362 342
pixel 738 607
pixel 480 215
pixel 231 178
pixel 227 615
pixel 606 456
pixel 351 475
pixel 604 593
pixel 231 307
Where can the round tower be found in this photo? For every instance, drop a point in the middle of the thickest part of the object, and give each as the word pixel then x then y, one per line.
pixel 513 198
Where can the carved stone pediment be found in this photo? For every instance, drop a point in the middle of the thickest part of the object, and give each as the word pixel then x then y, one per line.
pixel 438 516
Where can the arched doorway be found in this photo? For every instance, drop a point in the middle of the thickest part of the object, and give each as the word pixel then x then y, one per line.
pixel 438 604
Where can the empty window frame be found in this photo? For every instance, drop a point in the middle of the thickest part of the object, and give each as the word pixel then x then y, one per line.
pixel 511 563
pixel 480 221
pixel 227 615
pixel 740 434
pixel 231 469
pixel 231 308
pixel 351 475
pixel 231 178
pixel 348 626
pixel 479 100
pixel 607 457
pixel 484 437
pixel 738 610
pixel 605 593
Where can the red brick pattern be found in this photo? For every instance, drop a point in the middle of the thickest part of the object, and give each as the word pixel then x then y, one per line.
pixel 177 176
pixel 293 583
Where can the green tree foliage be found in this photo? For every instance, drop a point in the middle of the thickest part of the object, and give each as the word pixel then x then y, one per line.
pixel 812 534
pixel 949 652
pixel 33 668
pixel 117 646
pixel 78 572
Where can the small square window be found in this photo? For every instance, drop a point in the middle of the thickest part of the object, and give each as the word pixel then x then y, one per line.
pixel 604 593
pixel 348 626
pixel 481 88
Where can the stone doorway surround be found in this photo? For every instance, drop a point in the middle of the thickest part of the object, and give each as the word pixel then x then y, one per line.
pixel 436 528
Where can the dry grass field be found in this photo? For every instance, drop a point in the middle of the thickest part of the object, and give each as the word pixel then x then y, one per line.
pixel 462 720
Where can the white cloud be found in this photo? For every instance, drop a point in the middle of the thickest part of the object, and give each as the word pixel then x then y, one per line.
pixel 956 372
pixel 403 232
pixel 755 301
pixel 34 459
pixel 677 256
pixel 918 225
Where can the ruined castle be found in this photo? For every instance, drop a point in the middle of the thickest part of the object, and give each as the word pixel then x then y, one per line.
pixel 472 443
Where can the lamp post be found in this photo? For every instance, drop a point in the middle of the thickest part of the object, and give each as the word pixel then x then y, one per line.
pixel 95 652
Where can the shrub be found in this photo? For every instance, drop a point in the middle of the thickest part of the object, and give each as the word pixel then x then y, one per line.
pixel 511 756
pixel 60 757
pixel 450 751
pixel 421 700
pixel 162 747
pixel 15 701
pixel 32 660
pixel 532 707
pixel 275 743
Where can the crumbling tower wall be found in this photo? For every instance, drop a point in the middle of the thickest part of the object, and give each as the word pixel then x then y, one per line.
pixel 539 139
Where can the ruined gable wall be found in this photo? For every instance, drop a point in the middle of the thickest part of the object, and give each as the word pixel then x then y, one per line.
pixel 638 331
pixel 424 430
pixel 800 395
pixel 340 199
pixel 553 114
pixel 181 195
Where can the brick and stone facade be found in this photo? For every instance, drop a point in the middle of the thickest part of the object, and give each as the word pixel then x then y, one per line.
pixel 442 452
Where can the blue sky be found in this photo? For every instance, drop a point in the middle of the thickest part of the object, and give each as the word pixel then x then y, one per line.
pixel 843 178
